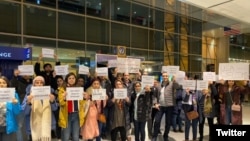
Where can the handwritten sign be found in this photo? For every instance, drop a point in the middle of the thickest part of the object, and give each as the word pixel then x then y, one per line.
pixel 234 71
pixel 98 94
pixel 7 94
pixel 180 77
pixel 112 63
pixel 171 70
pixel 62 70
pixel 147 80
pixel 74 93
pixel 40 92
pixel 49 53
pixel 120 93
pixel 26 70
pixel 209 76
pixel 202 84
pixel 189 84
pixel 102 71
pixel 128 65
pixel 83 70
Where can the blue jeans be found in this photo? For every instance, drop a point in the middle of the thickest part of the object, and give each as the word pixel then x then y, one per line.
pixel 99 138
pixel 177 120
pixel 228 114
pixel 73 127
pixel 168 111
pixel 20 122
pixel 139 130
pixel 188 123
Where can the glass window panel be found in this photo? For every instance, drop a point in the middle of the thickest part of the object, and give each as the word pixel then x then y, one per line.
pixel 76 24
pixel 120 11
pixel 10 40
pixel 39 22
pixel 72 6
pixel 195 63
pixel 184 63
pixel 38 44
pixel 141 53
pixel 10 15
pixel 140 15
pixel 194 45
pixel 98 8
pixel 184 45
pixel 169 44
pixel 139 38
pixel 169 22
pixel 195 28
pixel 156 56
pixel 93 49
pixel 120 34
pixel 48 3
pixel 156 40
pixel 70 52
pixel 158 21
pixel 97 31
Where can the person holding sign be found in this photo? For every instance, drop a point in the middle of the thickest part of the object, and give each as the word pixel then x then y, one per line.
pixel 39 106
pixel 47 73
pixel 71 114
pixel 8 112
pixel 140 105
pixel 118 104
pixel 206 108
pixel 96 101
pixel 229 96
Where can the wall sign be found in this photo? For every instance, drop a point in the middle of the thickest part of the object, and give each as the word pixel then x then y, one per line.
pixel 15 53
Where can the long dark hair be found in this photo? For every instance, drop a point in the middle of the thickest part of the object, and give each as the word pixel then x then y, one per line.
pixel 67 77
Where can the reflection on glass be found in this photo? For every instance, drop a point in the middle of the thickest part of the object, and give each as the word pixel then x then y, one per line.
pixel 140 15
pixel 39 22
pixel 156 40
pixel 71 27
pixel 194 45
pixel 139 38
pixel 38 44
pixel 10 17
pixel 120 11
pixel 120 34
pixel 139 53
pixel 159 20
pixel 195 28
pixel 10 40
pixel 48 3
pixel 195 63
pixel 156 56
pixel 72 5
pixel 93 49
pixel 98 8
pixel 97 31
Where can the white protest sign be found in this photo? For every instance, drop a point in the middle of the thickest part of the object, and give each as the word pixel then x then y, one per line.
pixel 62 70
pixel 180 77
pixel 112 63
pixel 134 65
pixel 40 92
pixel 234 71
pixel 202 84
pixel 26 69
pixel 147 80
pixel 74 93
pixel 120 93
pixel 172 70
pixel 83 70
pixel 102 71
pixel 189 84
pixel 209 76
pixel 49 53
pixel 98 94
pixel 7 94
pixel 122 65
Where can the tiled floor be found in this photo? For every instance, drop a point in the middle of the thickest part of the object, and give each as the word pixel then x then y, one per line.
pixel 180 136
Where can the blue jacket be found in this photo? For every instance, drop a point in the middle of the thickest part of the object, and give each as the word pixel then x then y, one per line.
pixel 12 111
pixel 27 109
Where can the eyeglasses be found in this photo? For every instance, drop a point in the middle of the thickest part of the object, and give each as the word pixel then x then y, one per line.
pixel 164 75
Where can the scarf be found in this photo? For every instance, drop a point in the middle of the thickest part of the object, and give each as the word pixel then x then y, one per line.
pixel 40 120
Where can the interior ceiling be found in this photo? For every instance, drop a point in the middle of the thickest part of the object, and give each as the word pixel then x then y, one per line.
pixel 224 13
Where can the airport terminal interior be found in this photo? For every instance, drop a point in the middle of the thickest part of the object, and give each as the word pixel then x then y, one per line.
pixel 196 35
